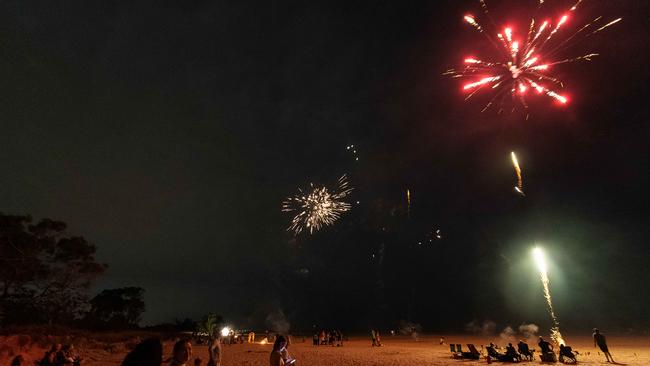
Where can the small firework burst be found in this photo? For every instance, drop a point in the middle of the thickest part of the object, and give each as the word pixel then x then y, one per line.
pixel 524 64
pixel 317 207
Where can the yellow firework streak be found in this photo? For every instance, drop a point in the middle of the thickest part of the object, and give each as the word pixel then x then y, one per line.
pixel 540 260
pixel 519 188
pixel 408 200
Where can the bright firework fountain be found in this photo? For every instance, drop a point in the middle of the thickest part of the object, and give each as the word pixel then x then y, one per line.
pixel 540 260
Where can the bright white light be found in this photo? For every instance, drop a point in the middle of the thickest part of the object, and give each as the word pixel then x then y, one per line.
pixel 540 260
pixel 225 331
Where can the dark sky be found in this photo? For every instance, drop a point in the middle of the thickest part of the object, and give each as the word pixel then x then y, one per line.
pixel 168 134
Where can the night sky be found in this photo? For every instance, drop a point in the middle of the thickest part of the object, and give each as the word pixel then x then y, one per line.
pixel 169 133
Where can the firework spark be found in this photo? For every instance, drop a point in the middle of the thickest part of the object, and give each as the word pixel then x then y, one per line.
pixel 520 183
pixel 524 64
pixel 318 207
pixel 540 260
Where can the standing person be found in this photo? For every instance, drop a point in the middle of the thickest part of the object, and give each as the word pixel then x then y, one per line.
pixel 147 353
pixel 377 338
pixel 599 339
pixel 373 337
pixel 182 353
pixel 18 361
pixel 214 350
pixel 288 360
pixel 279 355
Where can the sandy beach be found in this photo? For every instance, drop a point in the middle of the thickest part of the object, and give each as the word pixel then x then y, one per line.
pixel 395 351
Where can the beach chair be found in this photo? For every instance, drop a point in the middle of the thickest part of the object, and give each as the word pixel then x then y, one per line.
pixel 454 352
pixel 473 353
pixel 568 356
pixel 548 357
pixel 494 355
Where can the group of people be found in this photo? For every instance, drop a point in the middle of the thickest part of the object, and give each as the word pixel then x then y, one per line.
pixel 331 338
pixel 60 355
pixel 547 352
pixel 150 353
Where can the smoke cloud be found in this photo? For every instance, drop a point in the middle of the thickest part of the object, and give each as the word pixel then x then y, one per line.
pixel 486 328
pixel 277 322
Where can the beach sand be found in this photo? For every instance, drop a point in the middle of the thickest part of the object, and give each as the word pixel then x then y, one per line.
pixel 395 351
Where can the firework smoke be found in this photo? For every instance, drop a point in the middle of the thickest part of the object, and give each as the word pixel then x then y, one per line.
pixel 524 64
pixel 318 207
pixel 540 260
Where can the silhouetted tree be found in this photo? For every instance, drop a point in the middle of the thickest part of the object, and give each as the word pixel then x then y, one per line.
pixel 44 273
pixel 210 324
pixel 117 308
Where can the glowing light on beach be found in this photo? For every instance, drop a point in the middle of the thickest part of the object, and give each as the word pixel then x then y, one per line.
pixel 518 65
pixel 540 261
pixel 319 207
pixel 225 331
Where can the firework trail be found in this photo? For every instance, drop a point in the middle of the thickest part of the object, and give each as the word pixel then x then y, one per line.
pixel 317 207
pixel 408 202
pixel 519 188
pixel 540 260
pixel 525 64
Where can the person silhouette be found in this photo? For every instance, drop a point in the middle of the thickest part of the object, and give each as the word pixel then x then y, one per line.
pixel 599 339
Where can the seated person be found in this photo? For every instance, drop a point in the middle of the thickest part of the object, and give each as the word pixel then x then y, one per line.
pixel 547 354
pixel 511 353
pixel 524 351
pixel 567 355
pixel 492 351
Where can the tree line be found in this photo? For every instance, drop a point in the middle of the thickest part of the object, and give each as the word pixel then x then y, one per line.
pixel 46 276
